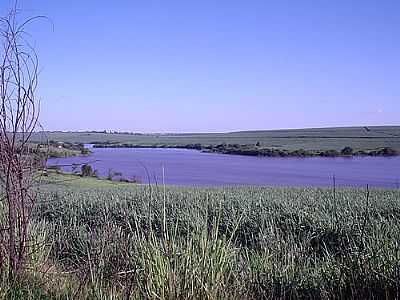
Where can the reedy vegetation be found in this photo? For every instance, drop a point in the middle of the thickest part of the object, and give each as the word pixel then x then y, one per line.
pixel 125 241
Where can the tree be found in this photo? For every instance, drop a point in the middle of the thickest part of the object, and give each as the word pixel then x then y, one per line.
pixel 19 113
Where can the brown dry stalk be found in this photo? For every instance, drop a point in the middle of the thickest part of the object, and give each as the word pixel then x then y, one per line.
pixel 19 113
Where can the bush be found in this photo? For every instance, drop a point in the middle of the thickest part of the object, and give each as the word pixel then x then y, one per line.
pixel 86 170
pixel 347 151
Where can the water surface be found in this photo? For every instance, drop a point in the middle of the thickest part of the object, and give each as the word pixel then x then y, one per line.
pixel 195 168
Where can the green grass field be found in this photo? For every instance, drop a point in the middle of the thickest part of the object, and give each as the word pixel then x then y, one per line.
pixel 102 240
pixel 359 138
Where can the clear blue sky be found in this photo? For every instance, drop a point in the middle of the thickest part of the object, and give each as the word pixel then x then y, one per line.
pixel 185 66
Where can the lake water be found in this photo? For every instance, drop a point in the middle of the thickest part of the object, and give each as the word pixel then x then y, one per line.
pixel 195 168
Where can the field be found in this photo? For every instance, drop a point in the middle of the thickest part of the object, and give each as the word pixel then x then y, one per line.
pixel 358 138
pixel 102 240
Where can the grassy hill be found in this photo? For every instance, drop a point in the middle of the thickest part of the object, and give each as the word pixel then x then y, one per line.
pixel 359 138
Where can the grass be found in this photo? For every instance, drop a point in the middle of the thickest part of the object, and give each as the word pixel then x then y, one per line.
pixel 105 240
pixel 322 139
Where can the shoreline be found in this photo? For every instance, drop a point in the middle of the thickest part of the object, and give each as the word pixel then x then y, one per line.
pixel 254 150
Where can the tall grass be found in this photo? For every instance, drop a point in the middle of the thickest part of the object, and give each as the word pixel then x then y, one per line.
pixel 234 243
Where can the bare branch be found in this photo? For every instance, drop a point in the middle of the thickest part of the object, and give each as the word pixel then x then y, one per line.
pixel 19 115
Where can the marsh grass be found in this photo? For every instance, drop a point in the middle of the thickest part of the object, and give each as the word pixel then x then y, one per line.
pixel 122 241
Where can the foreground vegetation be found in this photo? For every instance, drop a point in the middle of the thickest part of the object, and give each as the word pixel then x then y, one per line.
pixel 102 240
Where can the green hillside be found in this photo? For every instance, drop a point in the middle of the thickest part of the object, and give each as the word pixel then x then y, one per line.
pixel 359 138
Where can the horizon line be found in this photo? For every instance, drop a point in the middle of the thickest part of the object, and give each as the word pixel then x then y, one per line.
pixel 112 131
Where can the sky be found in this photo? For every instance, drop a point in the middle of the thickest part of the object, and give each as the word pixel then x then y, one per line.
pixel 214 66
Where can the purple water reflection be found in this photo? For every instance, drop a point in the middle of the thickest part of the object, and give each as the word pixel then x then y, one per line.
pixel 194 168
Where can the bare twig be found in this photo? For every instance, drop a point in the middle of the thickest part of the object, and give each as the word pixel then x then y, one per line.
pixel 19 118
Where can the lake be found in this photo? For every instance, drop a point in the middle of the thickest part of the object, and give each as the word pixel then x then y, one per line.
pixel 195 168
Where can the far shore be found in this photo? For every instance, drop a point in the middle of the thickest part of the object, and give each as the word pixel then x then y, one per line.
pixel 314 142
pixel 257 150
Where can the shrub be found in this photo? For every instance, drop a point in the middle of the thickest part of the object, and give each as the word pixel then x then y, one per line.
pixel 86 170
pixel 347 151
